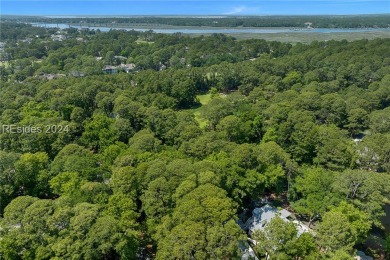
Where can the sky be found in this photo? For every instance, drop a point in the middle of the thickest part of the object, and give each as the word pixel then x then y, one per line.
pixel 199 7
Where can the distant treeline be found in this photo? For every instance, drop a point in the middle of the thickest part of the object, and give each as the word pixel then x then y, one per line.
pixel 339 21
pixel 160 162
pixel 18 31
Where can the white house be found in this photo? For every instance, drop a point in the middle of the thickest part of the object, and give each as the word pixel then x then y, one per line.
pixel 262 216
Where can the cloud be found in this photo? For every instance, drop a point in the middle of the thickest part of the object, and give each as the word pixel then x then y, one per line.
pixel 237 10
pixel 242 10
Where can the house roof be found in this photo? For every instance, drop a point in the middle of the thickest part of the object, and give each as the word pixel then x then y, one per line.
pixel 120 57
pixel 262 216
pixel 301 228
pixel 264 213
pixel 130 66
pixel 285 213
pixel 109 67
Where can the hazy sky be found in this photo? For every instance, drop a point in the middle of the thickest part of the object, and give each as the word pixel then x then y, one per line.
pixel 200 7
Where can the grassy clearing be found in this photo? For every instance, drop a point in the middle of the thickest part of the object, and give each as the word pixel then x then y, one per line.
pixel 142 41
pixel 201 122
pixel 204 99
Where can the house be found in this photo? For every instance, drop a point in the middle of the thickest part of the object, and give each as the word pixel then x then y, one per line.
pixel 162 67
pixel 259 220
pixel 309 25
pixel 128 67
pixel 76 73
pixel 108 69
pixel 262 216
pixel 51 76
pixel 120 57
pixel 301 228
pixel 59 38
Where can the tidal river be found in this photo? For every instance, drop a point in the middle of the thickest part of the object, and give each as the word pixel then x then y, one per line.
pixel 219 30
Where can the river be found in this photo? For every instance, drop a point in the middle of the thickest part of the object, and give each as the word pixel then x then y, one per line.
pixel 220 30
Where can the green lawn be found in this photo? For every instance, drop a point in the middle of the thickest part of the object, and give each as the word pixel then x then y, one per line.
pixel 201 122
pixel 142 41
pixel 204 99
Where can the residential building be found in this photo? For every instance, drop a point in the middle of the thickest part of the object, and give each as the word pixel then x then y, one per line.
pixel 108 69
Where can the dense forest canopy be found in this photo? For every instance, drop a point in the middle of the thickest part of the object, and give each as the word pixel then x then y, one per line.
pixel 318 21
pixel 159 160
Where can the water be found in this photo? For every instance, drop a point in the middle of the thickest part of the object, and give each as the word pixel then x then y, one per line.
pixel 221 30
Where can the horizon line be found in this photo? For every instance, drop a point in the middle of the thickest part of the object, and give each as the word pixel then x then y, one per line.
pixel 180 15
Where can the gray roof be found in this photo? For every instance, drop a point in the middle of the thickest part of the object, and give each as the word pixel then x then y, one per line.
pixel 264 213
pixel 262 216
pixel 285 213
pixel 106 67
pixel 128 67
pixel 259 220
pixel 120 57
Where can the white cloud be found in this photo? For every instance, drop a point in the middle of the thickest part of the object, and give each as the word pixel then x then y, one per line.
pixel 237 10
pixel 242 10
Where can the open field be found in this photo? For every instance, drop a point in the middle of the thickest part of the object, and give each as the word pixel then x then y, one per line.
pixel 142 41
pixel 202 122
pixel 204 100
